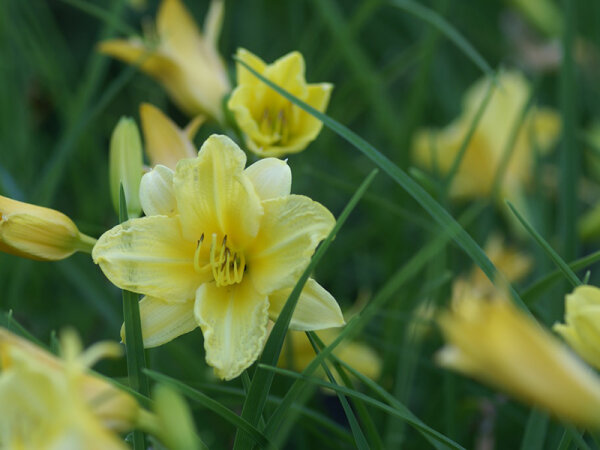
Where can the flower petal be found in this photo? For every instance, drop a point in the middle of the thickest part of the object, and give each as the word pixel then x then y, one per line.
pixel 156 192
pixel 215 196
pixel 163 321
pixel 316 308
pixel 178 31
pixel 271 178
pixel 290 230
pixel 134 52
pixel 164 141
pixel 150 256
pixel 244 77
pixel 234 324
pixel 288 72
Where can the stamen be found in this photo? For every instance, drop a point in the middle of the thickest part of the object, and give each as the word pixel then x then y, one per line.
pixel 197 267
pixel 227 266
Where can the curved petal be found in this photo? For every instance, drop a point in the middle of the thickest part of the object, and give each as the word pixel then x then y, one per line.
pixel 244 77
pixel 163 321
pixel 134 52
pixel 316 308
pixel 156 192
pixel 271 178
pixel 151 257
pixel 178 31
pixel 290 230
pixel 164 141
pixel 215 196
pixel 234 324
pixel 288 72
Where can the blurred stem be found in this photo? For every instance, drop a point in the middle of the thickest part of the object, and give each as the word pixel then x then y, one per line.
pixel 85 243
pixel 569 158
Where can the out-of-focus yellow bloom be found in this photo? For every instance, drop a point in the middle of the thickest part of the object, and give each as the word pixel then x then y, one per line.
pixel 483 156
pixel 51 403
pixel 544 14
pixel 125 165
pixel 582 327
pixel 164 141
pixel 223 254
pixel 492 341
pixel 39 233
pixel 185 61
pixel 272 125
pixel 297 353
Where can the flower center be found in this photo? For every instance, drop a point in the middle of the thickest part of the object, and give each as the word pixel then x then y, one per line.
pixel 275 125
pixel 227 266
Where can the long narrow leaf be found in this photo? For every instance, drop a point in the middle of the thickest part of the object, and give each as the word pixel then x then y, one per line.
pixel 447 222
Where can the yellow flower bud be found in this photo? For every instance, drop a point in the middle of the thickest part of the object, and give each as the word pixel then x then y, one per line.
pixel 582 327
pixel 126 165
pixel 39 233
pixel 494 342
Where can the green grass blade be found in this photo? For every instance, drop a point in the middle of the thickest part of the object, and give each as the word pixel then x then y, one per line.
pixel 8 321
pixel 103 15
pixel 134 344
pixel 241 424
pixel 359 437
pixel 537 288
pixel 562 265
pixel 391 287
pixel 448 30
pixel 447 222
pixel 535 431
pixel 261 381
pixel 362 411
pixel 401 414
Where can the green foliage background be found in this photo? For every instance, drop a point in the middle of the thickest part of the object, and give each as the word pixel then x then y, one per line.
pixel 393 73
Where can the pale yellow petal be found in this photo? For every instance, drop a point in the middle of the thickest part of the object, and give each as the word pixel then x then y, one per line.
pixel 290 230
pixel 288 72
pixel 271 178
pixel 150 256
pixel 316 308
pixel 234 324
pixel 215 196
pixel 165 142
pixel 362 358
pixel 134 52
pixel 178 31
pixel 244 77
pixel 164 321
pixel 546 124
pixel 213 22
pixel 157 195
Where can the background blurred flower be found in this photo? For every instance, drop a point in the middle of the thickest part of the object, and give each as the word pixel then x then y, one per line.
pixel 39 233
pixel 272 125
pixel 484 154
pixel 582 327
pixel 49 403
pixel 492 341
pixel 186 62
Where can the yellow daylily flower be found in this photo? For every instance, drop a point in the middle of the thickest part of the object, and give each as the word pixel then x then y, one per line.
pixel 582 327
pixel 297 353
pixel 484 154
pixel 496 343
pixel 227 242
pixel 185 61
pixel 39 233
pixel 272 125
pixel 49 403
pixel 165 142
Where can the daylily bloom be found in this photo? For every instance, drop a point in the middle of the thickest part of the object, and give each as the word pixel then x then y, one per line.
pixel 49 403
pixel 582 327
pixel 39 233
pixel 494 342
pixel 164 141
pixel 216 250
pixel 484 154
pixel 272 125
pixel 125 163
pixel 186 62
pixel 298 352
